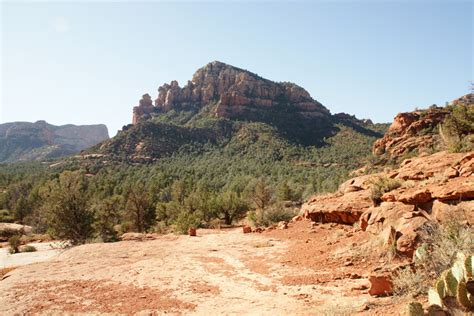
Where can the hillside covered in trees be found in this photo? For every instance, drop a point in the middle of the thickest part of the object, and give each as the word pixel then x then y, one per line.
pixel 188 164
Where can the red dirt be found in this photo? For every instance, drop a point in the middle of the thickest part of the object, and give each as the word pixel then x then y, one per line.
pixel 81 296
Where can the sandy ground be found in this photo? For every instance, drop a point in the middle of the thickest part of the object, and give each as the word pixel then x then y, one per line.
pixel 45 251
pixel 218 272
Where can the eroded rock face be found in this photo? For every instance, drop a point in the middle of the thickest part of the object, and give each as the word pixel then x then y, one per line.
pixel 409 131
pixel 415 130
pixel 143 110
pixel 236 93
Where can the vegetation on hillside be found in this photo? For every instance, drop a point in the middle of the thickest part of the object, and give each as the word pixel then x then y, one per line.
pixel 180 170
pixel 457 130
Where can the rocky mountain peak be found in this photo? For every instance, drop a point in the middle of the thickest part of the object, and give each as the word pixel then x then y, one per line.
pixel 237 93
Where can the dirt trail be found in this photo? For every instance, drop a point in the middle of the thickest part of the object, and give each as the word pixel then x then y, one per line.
pixel 218 272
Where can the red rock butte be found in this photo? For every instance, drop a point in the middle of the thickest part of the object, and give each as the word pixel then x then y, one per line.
pixel 236 93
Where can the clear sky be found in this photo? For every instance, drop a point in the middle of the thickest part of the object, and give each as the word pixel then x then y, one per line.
pixel 90 62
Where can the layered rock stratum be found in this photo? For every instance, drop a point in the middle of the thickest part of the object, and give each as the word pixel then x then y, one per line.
pixel 237 93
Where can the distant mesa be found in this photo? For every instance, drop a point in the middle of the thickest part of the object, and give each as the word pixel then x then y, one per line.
pixel 25 141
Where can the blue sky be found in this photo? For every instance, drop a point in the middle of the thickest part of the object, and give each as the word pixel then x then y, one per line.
pixel 90 62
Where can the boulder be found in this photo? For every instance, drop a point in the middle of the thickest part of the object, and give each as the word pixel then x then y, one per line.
pixel 389 235
pixel 8 230
pixel 246 229
pixel 447 210
pixel 407 243
pixel 358 183
pixel 337 208
pixel 297 218
pixel 460 188
pixel 415 196
pixel 405 219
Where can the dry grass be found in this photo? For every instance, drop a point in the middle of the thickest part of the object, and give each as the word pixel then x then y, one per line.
pixel 441 245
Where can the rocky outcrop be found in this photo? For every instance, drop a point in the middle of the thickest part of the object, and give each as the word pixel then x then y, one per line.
pixel 236 93
pixel 416 130
pixel 8 230
pixel 410 131
pixel 343 208
pixel 437 187
pixel 23 141
pixel 143 110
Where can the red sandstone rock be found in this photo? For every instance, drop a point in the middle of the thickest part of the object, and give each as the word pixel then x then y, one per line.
pixel 143 110
pixel 421 168
pixel 192 231
pixel 415 196
pixel 461 188
pixel 133 236
pixel 337 208
pixel 462 211
pixel 380 285
pixel 236 91
pixel 297 218
pixel 402 135
pixel 246 229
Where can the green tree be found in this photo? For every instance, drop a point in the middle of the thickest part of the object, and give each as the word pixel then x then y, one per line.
pixel 107 216
pixel 284 192
pixel 460 122
pixel 67 207
pixel 262 194
pixel 21 209
pixel 140 208
pixel 231 206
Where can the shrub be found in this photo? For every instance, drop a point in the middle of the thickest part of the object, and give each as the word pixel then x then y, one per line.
pixel 6 217
pixel 457 129
pixel 107 216
pixel 186 220
pixel 28 248
pixel 14 242
pixel 269 216
pixel 67 205
pixel 441 244
pixel 410 283
pixel 380 186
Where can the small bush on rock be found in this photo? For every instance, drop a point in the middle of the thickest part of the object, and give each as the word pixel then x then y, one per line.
pixel 381 186
pixel 14 242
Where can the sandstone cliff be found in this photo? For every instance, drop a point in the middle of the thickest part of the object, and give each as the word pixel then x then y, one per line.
pixel 237 93
pixel 221 91
pixel 24 141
